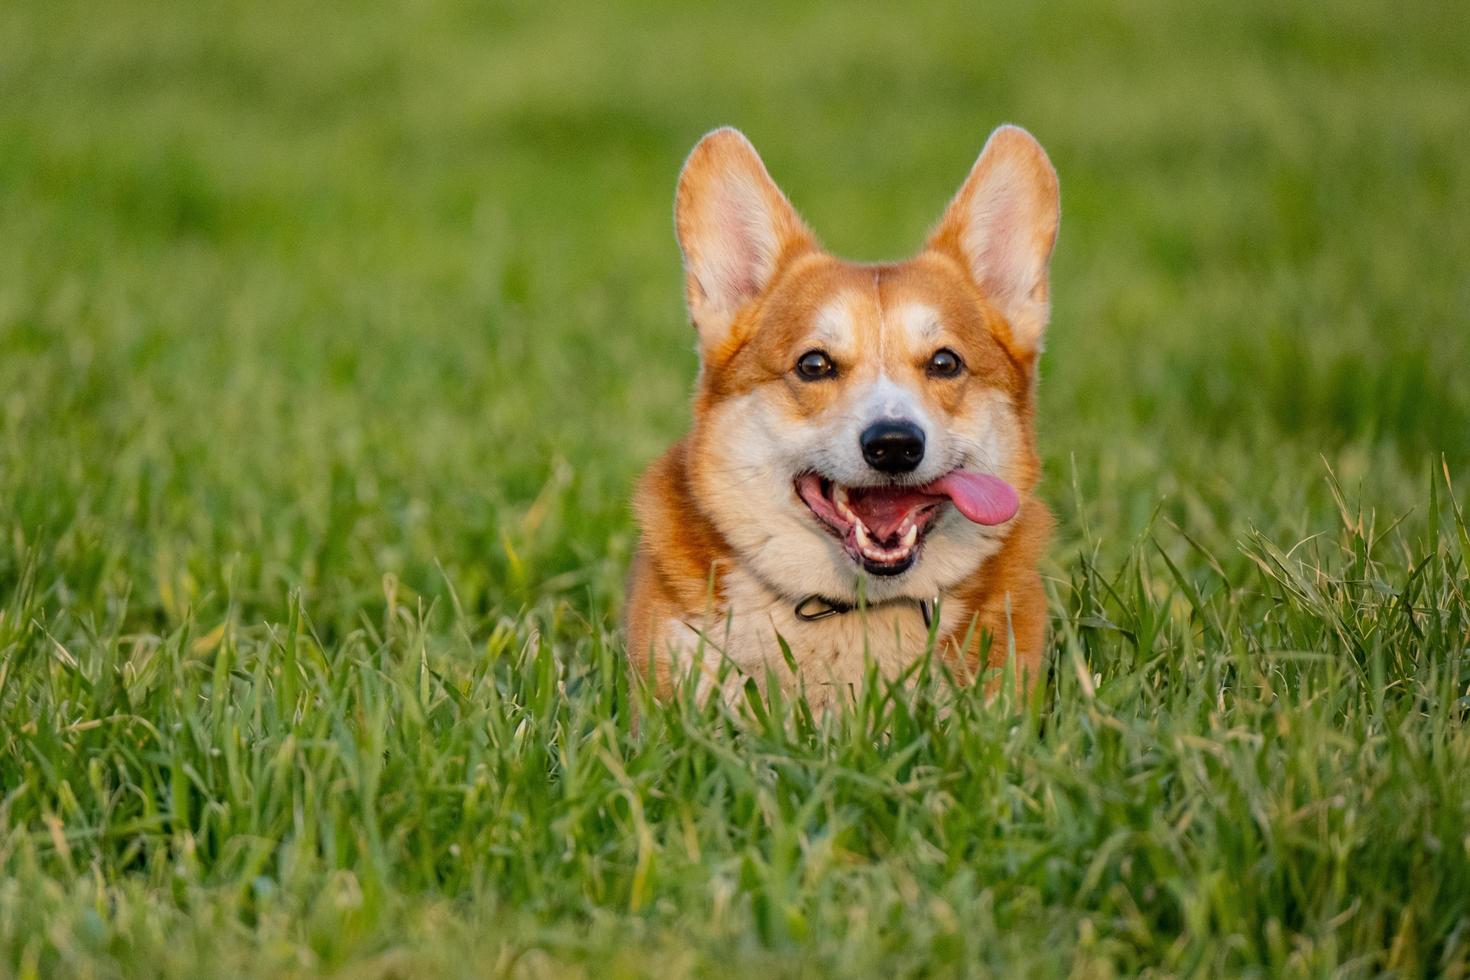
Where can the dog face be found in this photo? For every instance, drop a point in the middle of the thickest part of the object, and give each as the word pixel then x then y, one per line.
pixel 865 427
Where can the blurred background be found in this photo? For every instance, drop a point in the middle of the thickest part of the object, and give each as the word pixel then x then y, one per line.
pixel 300 296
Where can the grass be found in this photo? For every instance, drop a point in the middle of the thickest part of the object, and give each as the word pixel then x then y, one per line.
pixel 332 337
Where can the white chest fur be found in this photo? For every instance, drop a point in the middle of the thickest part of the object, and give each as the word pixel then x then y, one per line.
pixel 831 654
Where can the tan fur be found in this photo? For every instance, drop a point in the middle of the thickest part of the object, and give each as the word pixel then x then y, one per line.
pixel 725 551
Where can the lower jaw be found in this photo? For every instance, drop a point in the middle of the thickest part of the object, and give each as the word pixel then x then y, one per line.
pixel 880 561
pixel 884 562
pixel 889 568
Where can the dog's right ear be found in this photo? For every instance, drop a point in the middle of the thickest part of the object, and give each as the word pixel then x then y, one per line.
pixel 735 229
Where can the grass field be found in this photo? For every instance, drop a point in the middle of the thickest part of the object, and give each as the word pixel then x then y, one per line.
pixel 332 337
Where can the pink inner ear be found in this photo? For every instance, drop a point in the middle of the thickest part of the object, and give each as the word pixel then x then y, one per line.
pixel 997 237
pixel 738 254
pixel 739 245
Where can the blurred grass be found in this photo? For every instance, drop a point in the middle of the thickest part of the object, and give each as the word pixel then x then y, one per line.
pixel 332 336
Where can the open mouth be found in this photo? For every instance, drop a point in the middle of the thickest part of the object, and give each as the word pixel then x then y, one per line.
pixel 883 527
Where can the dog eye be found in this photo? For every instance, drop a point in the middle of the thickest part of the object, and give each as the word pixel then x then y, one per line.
pixel 944 364
pixel 815 365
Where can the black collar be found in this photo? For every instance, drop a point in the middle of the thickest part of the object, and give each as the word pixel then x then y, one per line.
pixel 815 607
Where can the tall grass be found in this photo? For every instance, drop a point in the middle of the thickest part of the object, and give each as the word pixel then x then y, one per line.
pixel 332 339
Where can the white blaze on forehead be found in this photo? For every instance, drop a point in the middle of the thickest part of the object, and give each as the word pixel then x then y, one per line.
pixel 890 399
pixel 919 323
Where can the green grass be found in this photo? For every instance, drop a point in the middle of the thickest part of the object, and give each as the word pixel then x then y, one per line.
pixel 332 337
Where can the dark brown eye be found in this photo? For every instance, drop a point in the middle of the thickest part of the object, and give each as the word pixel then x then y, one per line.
pixel 815 365
pixel 945 363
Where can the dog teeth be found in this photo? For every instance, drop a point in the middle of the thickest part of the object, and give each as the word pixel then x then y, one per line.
pixel 874 551
pixel 839 500
pixel 869 548
pixel 862 537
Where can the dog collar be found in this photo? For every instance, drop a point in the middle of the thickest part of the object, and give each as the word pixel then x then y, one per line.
pixel 815 607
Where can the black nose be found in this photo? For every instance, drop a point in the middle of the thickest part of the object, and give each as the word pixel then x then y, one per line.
pixel 893 447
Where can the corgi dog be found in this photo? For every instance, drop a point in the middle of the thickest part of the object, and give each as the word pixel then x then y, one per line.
pixel 859 478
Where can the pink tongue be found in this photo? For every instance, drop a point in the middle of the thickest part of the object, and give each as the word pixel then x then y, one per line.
pixel 983 498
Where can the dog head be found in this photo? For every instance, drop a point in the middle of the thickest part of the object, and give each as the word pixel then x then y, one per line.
pixel 865 427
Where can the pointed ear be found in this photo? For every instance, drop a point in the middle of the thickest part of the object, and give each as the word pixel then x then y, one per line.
pixel 735 228
pixel 1002 225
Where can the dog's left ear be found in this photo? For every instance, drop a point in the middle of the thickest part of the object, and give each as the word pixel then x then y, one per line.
pixel 1002 225
pixel 735 228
